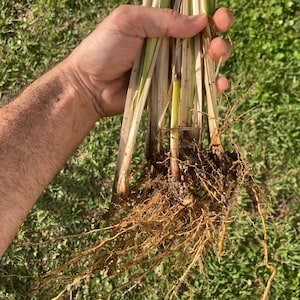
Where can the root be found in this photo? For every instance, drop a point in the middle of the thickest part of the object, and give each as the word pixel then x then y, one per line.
pixel 164 219
pixel 223 233
pixel 178 219
pixel 256 193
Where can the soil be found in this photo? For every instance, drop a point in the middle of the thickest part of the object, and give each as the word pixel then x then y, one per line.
pixel 163 217
pixel 168 223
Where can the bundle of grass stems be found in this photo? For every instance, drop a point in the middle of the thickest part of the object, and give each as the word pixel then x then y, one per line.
pixel 179 207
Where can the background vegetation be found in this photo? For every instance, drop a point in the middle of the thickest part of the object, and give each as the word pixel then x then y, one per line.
pixel 264 71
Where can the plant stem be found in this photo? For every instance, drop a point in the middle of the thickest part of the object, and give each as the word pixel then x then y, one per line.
pixel 135 103
pixel 157 102
pixel 174 130
pixel 209 67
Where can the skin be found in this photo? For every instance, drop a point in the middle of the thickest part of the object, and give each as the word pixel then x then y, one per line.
pixel 42 127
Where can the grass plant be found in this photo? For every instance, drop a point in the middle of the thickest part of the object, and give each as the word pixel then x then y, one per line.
pixel 175 209
pixel 68 217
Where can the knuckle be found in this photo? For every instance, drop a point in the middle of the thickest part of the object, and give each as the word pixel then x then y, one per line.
pixel 169 15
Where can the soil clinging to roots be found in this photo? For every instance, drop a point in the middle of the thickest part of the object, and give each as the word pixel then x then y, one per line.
pixel 163 220
pixel 166 218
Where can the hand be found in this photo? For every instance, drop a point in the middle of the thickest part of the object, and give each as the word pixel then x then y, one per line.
pixel 102 62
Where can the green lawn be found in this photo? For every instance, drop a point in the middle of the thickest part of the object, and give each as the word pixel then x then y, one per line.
pixel 264 74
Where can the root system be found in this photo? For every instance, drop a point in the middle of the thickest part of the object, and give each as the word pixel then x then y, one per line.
pixel 166 218
pixel 161 220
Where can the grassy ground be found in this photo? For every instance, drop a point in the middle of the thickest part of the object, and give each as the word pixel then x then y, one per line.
pixel 264 70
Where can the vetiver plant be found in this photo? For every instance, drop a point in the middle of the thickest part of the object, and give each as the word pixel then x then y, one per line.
pixel 182 201
pixel 178 209
pixel 182 84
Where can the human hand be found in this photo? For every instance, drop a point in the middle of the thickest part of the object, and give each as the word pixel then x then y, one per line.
pixel 102 62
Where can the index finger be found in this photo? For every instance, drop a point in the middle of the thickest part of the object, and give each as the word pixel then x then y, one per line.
pixel 143 21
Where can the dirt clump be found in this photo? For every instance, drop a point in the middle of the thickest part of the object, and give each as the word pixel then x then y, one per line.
pixel 166 218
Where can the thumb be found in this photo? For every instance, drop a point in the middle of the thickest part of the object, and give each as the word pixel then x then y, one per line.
pixel 157 22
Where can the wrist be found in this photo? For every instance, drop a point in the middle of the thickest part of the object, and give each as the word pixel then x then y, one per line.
pixel 80 88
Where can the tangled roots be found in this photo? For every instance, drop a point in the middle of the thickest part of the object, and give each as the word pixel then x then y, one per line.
pixel 166 218
pixel 163 220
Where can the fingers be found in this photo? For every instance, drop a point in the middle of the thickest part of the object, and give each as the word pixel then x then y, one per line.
pixel 223 19
pixel 219 49
pixel 222 84
pixel 156 22
pixel 138 22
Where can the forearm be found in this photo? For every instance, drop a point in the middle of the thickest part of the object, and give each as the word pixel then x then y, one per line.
pixel 38 133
